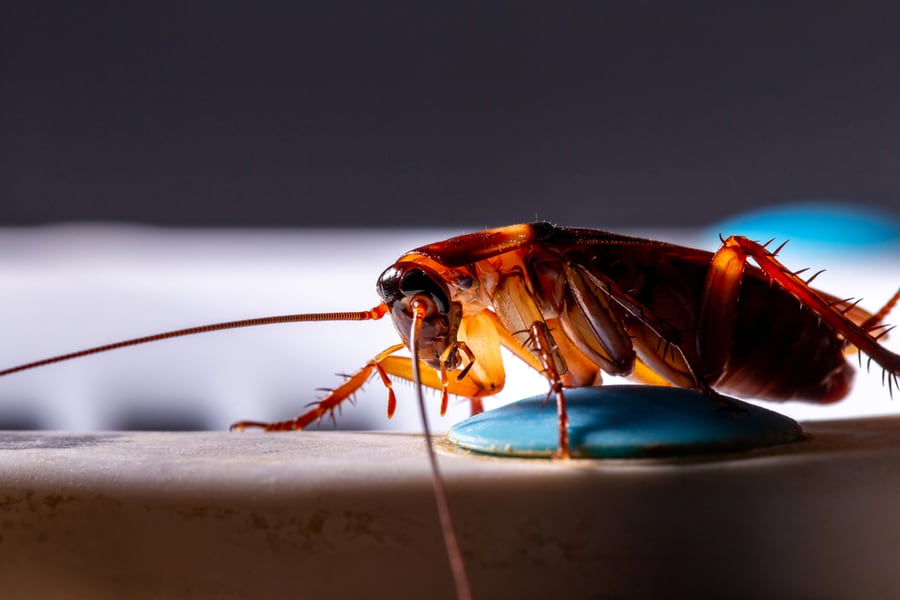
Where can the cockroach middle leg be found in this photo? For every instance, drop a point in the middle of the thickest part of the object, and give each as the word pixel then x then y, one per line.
pixel 546 350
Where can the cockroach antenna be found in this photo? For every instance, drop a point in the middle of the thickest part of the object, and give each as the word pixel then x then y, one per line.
pixel 450 541
pixel 375 313
pixel 454 555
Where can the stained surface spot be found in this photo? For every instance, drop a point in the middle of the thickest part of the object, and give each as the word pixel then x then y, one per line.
pixel 10 440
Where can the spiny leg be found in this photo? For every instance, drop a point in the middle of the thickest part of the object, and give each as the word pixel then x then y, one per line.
pixel 874 322
pixel 330 402
pixel 827 311
pixel 543 343
pixel 386 365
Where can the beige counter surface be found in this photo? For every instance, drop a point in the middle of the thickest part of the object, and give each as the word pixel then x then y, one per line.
pixel 348 515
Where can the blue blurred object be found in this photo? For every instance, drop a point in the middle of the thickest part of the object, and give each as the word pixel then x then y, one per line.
pixel 839 225
pixel 624 421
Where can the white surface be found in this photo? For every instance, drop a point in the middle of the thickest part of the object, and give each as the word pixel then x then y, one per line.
pixel 70 287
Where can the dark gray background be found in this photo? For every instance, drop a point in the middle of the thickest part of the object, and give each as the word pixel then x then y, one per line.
pixel 362 113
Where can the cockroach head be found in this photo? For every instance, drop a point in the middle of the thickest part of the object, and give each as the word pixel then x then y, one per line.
pixel 406 283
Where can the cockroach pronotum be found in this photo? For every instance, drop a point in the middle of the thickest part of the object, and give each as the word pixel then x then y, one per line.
pixel 575 303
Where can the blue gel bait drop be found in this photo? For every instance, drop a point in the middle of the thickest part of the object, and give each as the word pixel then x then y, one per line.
pixel 624 421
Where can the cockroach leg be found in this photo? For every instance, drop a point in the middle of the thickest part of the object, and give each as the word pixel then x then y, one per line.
pixel 476 406
pixel 874 322
pixel 717 309
pixel 334 398
pixel 389 385
pixel 386 365
pixel 445 395
pixel 546 351
pixel 814 301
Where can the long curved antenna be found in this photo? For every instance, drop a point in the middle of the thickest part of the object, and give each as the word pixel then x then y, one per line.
pixel 366 315
pixel 457 566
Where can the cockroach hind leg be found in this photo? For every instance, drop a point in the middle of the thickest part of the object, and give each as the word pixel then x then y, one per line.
pixel 829 311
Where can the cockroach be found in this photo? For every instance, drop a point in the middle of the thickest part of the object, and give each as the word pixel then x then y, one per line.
pixel 575 303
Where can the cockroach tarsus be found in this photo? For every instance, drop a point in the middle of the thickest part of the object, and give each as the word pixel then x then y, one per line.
pixel 574 303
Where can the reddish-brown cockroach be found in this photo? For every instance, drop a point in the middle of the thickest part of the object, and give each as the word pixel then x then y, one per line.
pixel 573 303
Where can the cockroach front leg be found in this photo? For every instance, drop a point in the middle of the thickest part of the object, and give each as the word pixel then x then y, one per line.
pixel 335 397
pixel 385 365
